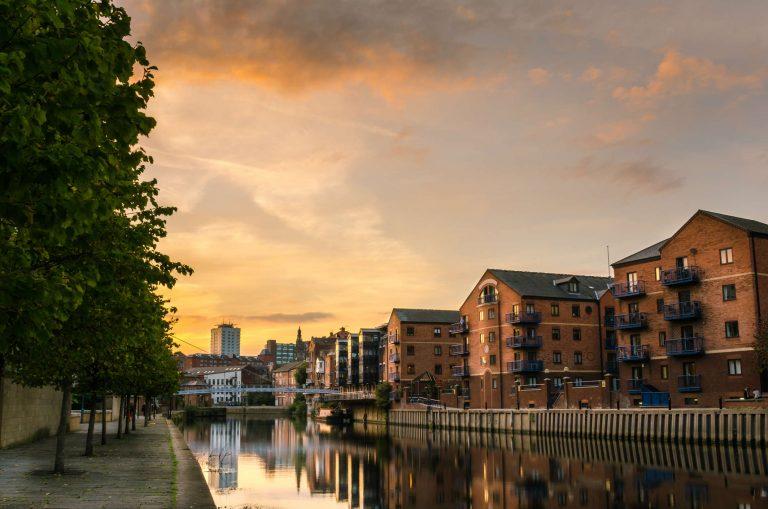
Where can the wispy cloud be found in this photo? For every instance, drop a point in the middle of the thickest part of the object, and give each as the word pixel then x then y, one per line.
pixel 630 176
pixel 310 316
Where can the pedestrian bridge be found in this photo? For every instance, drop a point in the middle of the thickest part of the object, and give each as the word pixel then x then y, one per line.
pixel 229 389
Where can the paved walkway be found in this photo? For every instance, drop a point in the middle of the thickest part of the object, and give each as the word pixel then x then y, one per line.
pixel 149 468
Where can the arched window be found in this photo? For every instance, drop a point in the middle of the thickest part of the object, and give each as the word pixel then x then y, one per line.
pixel 488 295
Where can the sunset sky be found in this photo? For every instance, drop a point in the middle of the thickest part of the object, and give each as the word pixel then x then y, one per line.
pixel 333 159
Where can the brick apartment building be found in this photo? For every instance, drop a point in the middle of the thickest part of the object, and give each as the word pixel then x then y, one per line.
pixel 418 342
pixel 369 347
pixel 285 376
pixel 519 327
pixel 687 309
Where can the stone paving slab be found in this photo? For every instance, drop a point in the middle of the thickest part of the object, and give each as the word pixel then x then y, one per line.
pixel 135 471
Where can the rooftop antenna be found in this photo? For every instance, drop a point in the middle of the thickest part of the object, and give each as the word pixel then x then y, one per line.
pixel 608 253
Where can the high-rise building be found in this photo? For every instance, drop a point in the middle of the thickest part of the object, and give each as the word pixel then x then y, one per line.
pixel 225 339
pixel 285 353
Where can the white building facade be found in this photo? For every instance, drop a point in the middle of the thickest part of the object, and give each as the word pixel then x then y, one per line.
pixel 225 340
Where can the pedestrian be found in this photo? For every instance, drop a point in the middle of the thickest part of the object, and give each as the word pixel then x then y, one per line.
pixel 746 392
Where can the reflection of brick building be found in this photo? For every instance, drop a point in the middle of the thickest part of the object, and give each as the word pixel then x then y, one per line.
pixel 418 341
pixel 687 311
pixel 519 326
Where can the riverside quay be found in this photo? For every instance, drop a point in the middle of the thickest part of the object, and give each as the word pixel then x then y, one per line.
pixel 677 325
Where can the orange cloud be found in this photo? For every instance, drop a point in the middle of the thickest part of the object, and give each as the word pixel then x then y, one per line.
pixel 539 76
pixel 680 75
pixel 631 176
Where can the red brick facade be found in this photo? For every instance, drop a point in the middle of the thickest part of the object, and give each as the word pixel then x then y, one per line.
pixel 695 325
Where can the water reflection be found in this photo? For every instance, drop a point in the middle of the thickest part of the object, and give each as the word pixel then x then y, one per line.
pixel 275 463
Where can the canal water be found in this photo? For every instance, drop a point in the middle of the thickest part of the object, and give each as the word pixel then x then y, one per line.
pixel 277 463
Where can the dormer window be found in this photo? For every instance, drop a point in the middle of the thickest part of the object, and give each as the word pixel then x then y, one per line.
pixel 573 287
pixel 487 295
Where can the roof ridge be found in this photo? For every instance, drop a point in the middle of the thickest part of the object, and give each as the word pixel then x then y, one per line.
pixel 548 273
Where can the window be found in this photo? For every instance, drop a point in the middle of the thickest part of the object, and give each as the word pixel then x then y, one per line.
pixel 588 309
pixel 438 350
pixel 556 333
pixel 482 361
pixel 729 292
pixel 492 360
pixel 575 310
pixel 411 369
pixel 659 305
pixel 491 314
pixel 409 331
pixel 662 338
pixel 691 401
pixel 557 357
pixel 438 369
pixel 493 382
pixel 491 337
pixel 557 382
pixel 573 287
pixel 577 358
pixel 530 309
pixel 726 256
pixel 657 273
pixel 555 309
pixel 410 350
pixel 732 329
pixel 664 372
pixel 482 315
pixel 438 332
pixel 576 334
pixel 734 366
pixel 482 337
pixel 578 381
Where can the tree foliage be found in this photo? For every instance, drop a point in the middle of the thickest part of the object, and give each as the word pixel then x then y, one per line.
pixel 80 270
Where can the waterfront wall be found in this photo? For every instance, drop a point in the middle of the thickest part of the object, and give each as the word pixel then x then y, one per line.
pixel 737 426
pixel 27 413
pixel 259 411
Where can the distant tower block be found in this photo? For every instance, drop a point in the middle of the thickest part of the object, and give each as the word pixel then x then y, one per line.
pixel 225 340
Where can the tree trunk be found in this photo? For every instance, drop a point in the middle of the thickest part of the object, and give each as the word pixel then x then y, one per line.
pixel 133 413
pixel 120 412
pixel 127 428
pixel 91 423
pixel 146 411
pixel 104 418
pixel 61 433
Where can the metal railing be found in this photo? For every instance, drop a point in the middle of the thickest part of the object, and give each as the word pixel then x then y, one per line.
pixel 687 310
pixel 488 299
pixel 524 317
pixel 459 371
pixel 458 350
pixel 635 385
pixel 524 341
pixel 685 346
pixel 633 353
pixel 631 321
pixel 525 366
pixel 393 338
pixel 681 276
pixel 394 358
pixel 689 383
pixel 628 289
pixel 394 377
pixel 461 327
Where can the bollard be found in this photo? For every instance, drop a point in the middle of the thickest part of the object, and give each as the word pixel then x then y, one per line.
pixel 721 402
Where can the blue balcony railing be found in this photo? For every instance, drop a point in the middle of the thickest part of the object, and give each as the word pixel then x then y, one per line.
pixel 633 353
pixel 680 347
pixel 681 276
pixel 689 383
pixel 394 358
pixel 394 377
pixel 524 342
pixel 635 385
pixel 459 371
pixel 488 299
pixel 461 327
pixel 631 321
pixel 393 338
pixel 690 310
pixel 527 366
pixel 524 317
pixel 628 289
pixel 458 350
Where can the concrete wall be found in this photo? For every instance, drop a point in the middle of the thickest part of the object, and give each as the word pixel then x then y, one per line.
pixel 736 426
pixel 27 413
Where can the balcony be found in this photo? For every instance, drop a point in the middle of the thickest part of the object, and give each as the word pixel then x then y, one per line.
pixel 459 371
pixel 633 353
pixel 464 392
pixel 524 317
pixel 457 350
pixel 393 338
pixel 525 366
pixel 487 299
pixel 610 343
pixel 635 385
pixel 394 358
pixel 690 310
pixel 610 321
pixel 631 321
pixel 524 342
pixel 628 289
pixel 681 276
pixel 612 367
pixel 394 377
pixel 461 327
pixel 689 383
pixel 681 347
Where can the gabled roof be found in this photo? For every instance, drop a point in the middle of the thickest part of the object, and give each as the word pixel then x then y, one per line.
pixel 748 225
pixel 427 315
pixel 648 253
pixel 545 284
pixel 211 370
pixel 289 366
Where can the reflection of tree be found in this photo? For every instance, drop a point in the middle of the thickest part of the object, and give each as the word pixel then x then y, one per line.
pixel 299 462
